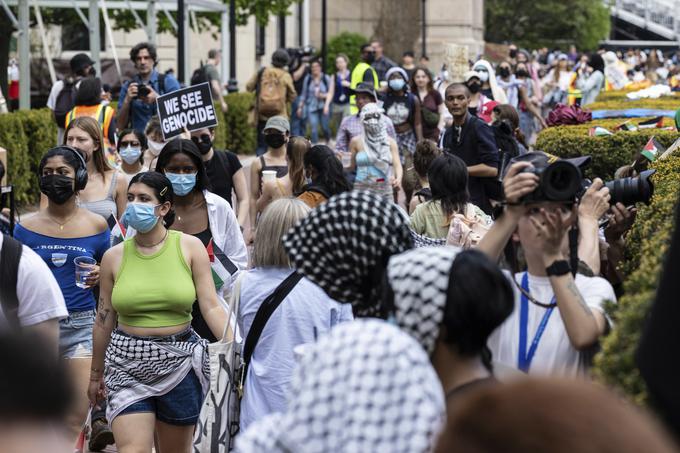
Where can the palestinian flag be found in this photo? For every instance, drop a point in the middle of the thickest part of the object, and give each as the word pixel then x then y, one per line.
pixel 117 230
pixel 652 149
pixel 222 267
pixel 598 132
pixel 652 123
pixel 626 126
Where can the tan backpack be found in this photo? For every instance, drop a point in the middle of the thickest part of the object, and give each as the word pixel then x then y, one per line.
pixel 271 95
pixel 466 230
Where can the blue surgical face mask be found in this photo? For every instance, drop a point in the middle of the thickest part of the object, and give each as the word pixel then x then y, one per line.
pixel 130 155
pixel 141 216
pixel 182 184
pixel 397 84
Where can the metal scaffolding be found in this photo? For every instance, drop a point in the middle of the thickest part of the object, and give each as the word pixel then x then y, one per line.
pixel 151 7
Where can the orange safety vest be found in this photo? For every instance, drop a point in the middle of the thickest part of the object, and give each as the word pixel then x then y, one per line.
pixel 104 115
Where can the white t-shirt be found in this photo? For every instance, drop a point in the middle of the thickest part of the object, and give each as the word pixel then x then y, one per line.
pixel 39 295
pixel 554 355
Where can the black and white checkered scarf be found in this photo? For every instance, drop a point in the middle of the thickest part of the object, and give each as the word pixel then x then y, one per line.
pixel 419 279
pixel 365 387
pixel 137 369
pixel 344 245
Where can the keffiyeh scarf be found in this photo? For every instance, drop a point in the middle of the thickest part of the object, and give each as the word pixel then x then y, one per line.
pixel 138 368
pixel 343 246
pixel 419 279
pixel 376 142
pixel 364 387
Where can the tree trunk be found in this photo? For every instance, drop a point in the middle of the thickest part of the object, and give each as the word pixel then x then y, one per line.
pixel 5 39
pixel 398 26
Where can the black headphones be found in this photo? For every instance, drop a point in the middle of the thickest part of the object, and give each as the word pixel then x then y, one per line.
pixel 81 173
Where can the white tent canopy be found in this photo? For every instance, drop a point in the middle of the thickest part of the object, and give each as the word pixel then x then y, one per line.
pixel 152 7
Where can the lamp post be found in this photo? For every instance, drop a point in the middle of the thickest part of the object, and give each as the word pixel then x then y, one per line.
pixel 232 87
pixel 323 34
pixel 180 38
pixel 423 28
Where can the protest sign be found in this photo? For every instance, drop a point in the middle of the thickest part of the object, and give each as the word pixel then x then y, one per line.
pixel 190 107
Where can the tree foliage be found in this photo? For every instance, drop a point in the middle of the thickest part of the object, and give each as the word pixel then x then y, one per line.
pixel 347 43
pixel 533 24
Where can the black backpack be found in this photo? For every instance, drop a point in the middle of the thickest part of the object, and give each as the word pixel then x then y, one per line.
pixel 9 274
pixel 200 75
pixel 505 140
pixel 66 100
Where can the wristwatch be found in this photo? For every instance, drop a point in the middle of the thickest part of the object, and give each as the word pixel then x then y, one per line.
pixel 558 268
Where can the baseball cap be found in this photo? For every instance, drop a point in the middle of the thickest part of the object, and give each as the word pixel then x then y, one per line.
pixel 79 61
pixel 279 123
pixel 366 88
pixel 469 75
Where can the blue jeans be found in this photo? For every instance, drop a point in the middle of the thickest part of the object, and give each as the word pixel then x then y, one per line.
pixel 75 334
pixel 297 124
pixel 316 118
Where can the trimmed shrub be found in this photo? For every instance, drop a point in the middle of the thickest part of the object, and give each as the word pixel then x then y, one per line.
pixel 608 152
pixel 610 102
pixel 646 246
pixel 347 43
pixel 13 138
pixel 233 131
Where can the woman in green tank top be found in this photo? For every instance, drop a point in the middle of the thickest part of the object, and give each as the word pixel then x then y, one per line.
pixel 155 373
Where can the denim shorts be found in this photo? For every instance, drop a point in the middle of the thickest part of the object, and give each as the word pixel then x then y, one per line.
pixel 181 405
pixel 75 334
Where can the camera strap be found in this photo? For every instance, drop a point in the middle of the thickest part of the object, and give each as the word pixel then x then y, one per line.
pixel 524 357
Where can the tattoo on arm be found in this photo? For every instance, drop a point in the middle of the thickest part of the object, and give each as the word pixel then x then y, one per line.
pixel 102 313
pixel 571 286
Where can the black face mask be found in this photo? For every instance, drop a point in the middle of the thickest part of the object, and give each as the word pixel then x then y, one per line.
pixel 474 87
pixel 204 144
pixel 92 72
pixel 370 58
pixel 513 53
pixel 522 73
pixel 275 140
pixel 58 188
pixel 504 72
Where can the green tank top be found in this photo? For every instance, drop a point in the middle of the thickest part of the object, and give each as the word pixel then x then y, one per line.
pixel 155 290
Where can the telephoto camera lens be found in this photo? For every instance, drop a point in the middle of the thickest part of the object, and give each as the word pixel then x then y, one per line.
pixel 629 191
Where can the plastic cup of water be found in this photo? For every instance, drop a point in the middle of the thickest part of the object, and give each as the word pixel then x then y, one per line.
pixel 84 265
pixel 269 175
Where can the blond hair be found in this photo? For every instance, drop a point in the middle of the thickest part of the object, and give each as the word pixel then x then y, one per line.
pixel 91 127
pixel 279 217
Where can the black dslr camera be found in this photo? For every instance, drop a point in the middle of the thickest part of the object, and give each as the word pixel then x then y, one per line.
pixel 562 181
pixel 299 55
pixel 142 90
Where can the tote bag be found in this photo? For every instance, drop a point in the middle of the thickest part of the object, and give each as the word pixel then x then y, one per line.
pixel 218 422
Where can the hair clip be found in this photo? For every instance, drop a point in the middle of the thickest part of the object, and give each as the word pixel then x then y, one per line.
pixel 165 189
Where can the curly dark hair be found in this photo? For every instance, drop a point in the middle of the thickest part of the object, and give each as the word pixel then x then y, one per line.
pixel 144 45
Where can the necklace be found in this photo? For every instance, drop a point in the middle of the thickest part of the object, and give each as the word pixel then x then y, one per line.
pixel 530 298
pixel 152 245
pixel 61 225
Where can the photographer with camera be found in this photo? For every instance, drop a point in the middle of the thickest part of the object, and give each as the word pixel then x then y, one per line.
pixel 559 315
pixel 137 100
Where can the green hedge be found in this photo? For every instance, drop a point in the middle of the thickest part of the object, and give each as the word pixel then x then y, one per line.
pixel 646 246
pixel 608 152
pixel 233 131
pixel 620 102
pixel 26 135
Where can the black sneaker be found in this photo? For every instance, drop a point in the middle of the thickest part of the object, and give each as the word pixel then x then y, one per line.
pixel 100 436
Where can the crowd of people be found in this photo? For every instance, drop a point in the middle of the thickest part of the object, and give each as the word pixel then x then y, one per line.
pixel 400 281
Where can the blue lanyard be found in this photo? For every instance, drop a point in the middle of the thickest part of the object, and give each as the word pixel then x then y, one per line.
pixel 524 358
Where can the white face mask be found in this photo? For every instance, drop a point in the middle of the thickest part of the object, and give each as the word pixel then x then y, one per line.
pixel 155 147
pixel 483 75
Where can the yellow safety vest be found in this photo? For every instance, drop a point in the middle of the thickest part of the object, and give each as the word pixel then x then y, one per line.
pixel 358 77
